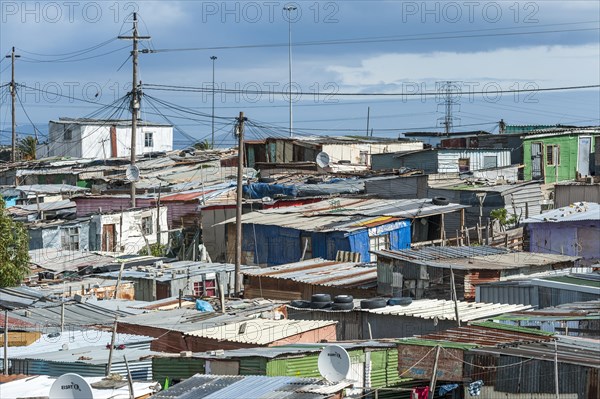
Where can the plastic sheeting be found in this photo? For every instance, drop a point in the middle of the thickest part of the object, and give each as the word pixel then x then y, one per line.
pixel 261 190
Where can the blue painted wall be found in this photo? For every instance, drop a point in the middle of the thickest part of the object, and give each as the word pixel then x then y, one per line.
pixel 10 201
pixel 273 245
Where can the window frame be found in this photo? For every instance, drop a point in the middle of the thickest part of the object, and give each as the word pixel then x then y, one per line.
pixel 149 138
pixel 550 161
pixel 375 244
pixel 67 134
pixel 147 225
pixel 69 238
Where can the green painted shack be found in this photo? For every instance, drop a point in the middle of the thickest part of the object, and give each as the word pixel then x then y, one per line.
pixel 299 360
pixel 559 156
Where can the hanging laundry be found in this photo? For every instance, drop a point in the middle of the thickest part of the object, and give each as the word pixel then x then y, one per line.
pixel 422 392
pixel 475 388
pixel 444 389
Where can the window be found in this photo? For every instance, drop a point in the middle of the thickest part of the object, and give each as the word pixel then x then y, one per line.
pixel 552 154
pixel 70 238
pixel 68 134
pixel 464 165
pixel 147 225
pixel 149 139
pixel 377 243
pixel 490 161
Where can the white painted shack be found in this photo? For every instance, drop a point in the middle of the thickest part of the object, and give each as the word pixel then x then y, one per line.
pixel 102 139
pixel 128 231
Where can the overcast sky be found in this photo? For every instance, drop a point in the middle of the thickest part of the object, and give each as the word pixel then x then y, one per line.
pixel 382 47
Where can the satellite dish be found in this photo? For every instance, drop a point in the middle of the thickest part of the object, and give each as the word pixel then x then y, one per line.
pixel 323 159
pixel 334 363
pixel 132 173
pixel 70 386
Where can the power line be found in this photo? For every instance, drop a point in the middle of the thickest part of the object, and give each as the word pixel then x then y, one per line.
pixel 153 86
pixel 380 39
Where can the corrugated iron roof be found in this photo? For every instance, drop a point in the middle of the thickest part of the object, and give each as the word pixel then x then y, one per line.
pixel 258 331
pixel 321 272
pixel 90 355
pixel 73 340
pixel 491 334
pixel 445 310
pixel 573 350
pixel 39 387
pixel 256 387
pixel 59 260
pixel 345 214
pixel 579 211
pixel 471 258
pixel 437 309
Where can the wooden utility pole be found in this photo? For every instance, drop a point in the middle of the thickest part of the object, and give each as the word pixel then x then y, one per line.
pixel 135 100
pixel 112 347
pixel 238 204
pixel 13 95
pixel 368 119
pixel 5 342
pixel 434 373
pixel 158 217
pixel 454 296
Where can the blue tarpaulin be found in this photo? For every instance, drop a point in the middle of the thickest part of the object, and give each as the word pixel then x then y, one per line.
pixel 261 190
pixel 203 306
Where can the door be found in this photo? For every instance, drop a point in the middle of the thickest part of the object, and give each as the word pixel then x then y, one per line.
pixel 583 155
pixel 109 238
pixel 537 169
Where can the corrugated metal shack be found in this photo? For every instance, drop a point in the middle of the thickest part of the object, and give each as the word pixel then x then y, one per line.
pixel 286 235
pixel 165 280
pixel 250 324
pixel 571 230
pixel 302 279
pixel 416 356
pixel 523 199
pixel 542 292
pixel 397 187
pixel 374 364
pixel 426 272
pixel 527 369
pixel 444 160
pixel 60 234
pixel 424 316
pixel 225 387
pixel 569 193
pixel 578 319
pixel 91 361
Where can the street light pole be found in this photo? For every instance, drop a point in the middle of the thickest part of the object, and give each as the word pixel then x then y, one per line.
pixel 212 142
pixel 289 10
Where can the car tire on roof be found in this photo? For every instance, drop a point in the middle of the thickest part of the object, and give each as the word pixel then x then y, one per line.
pixel 440 201
pixel 343 299
pixel 300 304
pixel 402 301
pixel 320 305
pixel 373 303
pixel 320 298
pixel 342 306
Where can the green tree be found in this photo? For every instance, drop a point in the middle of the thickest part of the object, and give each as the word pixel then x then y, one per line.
pixel 27 148
pixel 156 249
pixel 14 250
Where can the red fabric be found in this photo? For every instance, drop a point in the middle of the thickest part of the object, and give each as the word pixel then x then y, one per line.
pixel 422 393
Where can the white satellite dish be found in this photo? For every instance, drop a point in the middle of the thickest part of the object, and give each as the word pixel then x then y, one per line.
pixel 70 386
pixel 334 363
pixel 132 173
pixel 323 159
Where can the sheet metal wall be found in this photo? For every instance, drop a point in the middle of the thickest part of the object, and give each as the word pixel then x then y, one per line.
pixel 410 187
pixel 565 195
pixel 175 368
pixel 566 238
pixel 273 245
pixel 531 377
